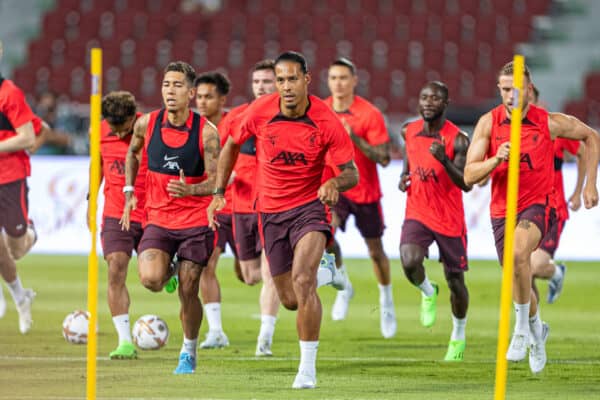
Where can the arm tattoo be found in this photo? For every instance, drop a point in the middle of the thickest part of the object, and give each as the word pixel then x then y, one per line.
pixel 348 177
pixel 379 154
pixel 212 148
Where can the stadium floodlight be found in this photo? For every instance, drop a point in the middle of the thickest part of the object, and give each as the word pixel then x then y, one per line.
pixel 510 223
pixel 95 111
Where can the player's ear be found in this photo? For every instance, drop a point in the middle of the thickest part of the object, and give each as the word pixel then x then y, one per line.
pixel 307 78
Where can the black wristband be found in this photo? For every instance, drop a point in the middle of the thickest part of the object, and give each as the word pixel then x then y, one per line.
pixel 218 192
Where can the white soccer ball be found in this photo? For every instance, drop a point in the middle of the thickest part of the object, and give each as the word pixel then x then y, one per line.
pixel 75 327
pixel 150 332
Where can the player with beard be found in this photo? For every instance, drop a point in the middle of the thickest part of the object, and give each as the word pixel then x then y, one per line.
pixel 432 178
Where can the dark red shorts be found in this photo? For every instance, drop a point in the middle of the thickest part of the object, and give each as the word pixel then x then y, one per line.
pixel 193 244
pixel 245 233
pixel 367 217
pixel 280 232
pixel 453 250
pixel 14 207
pixel 552 238
pixel 115 239
pixel 538 214
pixel 225 232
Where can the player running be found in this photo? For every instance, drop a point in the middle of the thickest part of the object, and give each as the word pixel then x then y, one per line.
pixel 432 178
pixel 487 155
pixel 119 111
pixel 293 132
pixel 182 149
pixel 366 127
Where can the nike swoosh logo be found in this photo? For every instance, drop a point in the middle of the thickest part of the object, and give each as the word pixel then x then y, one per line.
pixel 170 158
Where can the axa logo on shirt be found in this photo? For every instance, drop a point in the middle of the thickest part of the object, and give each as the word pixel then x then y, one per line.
pixel 525 158
pixel 289 158
pixel 170 162
pixel 118 167
pixel 425 174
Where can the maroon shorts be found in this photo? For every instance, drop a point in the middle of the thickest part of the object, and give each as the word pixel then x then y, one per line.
pixel 225 233
pixel 245 233
pixel 193 244
pixel 280 232
pixel 453 249
pixel 367 217
pixel 14 207
pixel 538 214
pixel 115 239
pixel 552 238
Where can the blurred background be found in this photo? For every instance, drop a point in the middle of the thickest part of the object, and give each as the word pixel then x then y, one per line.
pixel 397 45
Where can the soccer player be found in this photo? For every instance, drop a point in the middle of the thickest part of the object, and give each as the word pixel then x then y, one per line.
pixel 211 95
pixel 293 131
pixel 488 154
pixel 432 178
pixel 119 111
pixel 542 263
pixel 16 136
pixel 254 266
pixel 366 127
pixel 182 149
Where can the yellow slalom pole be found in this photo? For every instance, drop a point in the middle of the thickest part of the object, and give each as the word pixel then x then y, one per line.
pixel 95 111
pixel 509 229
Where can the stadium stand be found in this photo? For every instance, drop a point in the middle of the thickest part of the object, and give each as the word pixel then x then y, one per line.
pixel 397 43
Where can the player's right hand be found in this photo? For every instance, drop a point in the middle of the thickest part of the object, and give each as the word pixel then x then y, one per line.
pixel 217 203
pixel 590 195
pixel 503 152
pixel 404 183
pixel 130 205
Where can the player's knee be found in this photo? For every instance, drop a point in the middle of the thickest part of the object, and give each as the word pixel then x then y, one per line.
pixel 522 256
pixel 152 284
pixel 457 286
pixel 410 262
pixel 377 255
pixel 289 302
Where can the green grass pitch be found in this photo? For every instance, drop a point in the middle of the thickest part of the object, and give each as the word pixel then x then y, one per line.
pixel 354 361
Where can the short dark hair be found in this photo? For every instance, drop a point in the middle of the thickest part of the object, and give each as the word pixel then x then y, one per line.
pixel 441 86
pixel 508 69
pixel 344 62
pixel 183 67
pixel 268 63
pixel 117 107
pixel 293 56
pixel 214 78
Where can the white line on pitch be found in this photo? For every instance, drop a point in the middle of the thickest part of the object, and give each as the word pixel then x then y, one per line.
pixel 286 359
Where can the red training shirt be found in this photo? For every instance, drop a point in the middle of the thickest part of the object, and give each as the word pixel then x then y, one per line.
pixel 290 153
pixel 367 123
pixel 560 145
pixel 432 198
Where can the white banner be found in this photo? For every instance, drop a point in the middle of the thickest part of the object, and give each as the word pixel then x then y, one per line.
pixel 57 204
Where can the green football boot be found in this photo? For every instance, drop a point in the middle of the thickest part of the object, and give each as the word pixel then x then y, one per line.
pixel 429 307
pixel 456 350
pixel 125 351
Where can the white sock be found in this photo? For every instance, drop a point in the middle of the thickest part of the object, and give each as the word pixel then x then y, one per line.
pixel 458 328
pixel 16 290
pixel 267 326
pixel 189 346
pixel 427 288
pixel 121 323
pixel 557 273
pixel 522 318
pixel 385 294
pixel 535 326
pixel 213 316
pixel 324 277
pixel 308 357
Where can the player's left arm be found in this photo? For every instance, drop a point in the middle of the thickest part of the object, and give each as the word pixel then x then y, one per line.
pixel 379 153
pixel 212 146
pixel 23 140
pixel 574 200
pixel 454 168
pixel 569 127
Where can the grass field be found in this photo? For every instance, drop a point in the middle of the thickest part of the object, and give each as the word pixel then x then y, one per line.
pixel 354 361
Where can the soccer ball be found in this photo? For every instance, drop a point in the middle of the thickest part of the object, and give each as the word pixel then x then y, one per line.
pixel 150 332
pixel 75 327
